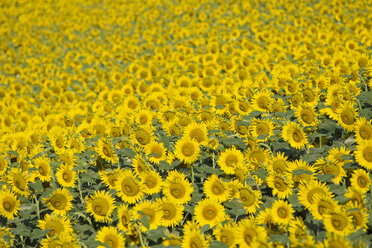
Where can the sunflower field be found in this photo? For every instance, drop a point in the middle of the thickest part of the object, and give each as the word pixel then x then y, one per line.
pixel 183 123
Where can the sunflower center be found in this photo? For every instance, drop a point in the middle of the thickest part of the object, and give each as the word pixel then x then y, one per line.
pixel 262 102
pixel 100 206
pixel 66 177
pixel 282 212
pixel 150 181
pixel 142 137
pixel 365 132
pixel 258 156
pixel 297 136
pixel 331 169
pixel 188 149
pixel 110 240
pixel 279 166
pixel 169 211
pixel 367 154
pixel 196 242
pixel 231 160
pixel 249 235
pixel 177 190
pixel 324 206
pixel 227 237
pixel 362 182
pixel 308 95
pixel 55 227
pixel 209 212
pixel 197 134
pixel 217 188
pixel 130 187
pixel 8 205
pixel 107 151
pixel 347 116
pixel 247 197
pixel 262 129
pixel 19 182
pixel 279 184
pixel 338 221
pixel 307 116
pixel 58 201
pixel 357 218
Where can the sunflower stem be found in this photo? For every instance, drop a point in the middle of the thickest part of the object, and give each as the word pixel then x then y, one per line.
pixel 79 189
pixel 213 162
pixel 37 206
pixel 140 236
pixel 192 175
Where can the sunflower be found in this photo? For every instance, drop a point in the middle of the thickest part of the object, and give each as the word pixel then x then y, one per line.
pixel 155 152
pixel 106 151
pixel 172 212
pixel 139 164
pixel 111 237
pixel 44 172
pixel 129 188
pixel 151 210
pixel 178 189
pixel 230 159
pixel 358 214
pixel 66 176
pixel 109 178
pixel 262 128
pixel 100 205
pixel 187 150
pixel 209 212
pixel 322 204
pixel 19 180
pixel 265 218
pixel 197 131
pixel 294 135
pixel 142 135
pixel 194 239
pixel 248 232
pixel 332 168
pixel 297 231
pixel 304 177
pixel 338 222
pixel 306 115
pixel 355 196
pixel 347 116
pixel 282 212
pixel 9 204
pixel 363 130
pixel 250 198
pixel 172 240
pixel 215 189
pixel 363 154
pixel 4 163
pixel 152 182
pixel 309 190
pixel 262 101
pixel 124 217
pixel 256 155
pixel 63 239
pixel 172 128
pixel 60 201
pixel 281 186
pixel 278 164
pixel 143 117
pixel 226 233
pixel 335 240
pixel 336 155
pixel 55 224
pixel 360 180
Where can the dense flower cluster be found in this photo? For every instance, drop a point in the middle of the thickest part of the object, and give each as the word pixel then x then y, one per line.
pixel 189 123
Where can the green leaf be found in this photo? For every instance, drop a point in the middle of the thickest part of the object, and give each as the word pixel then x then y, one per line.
pixel 144 220
pixel 218 244
pixel 128 152
pixel 208 169
pixel 302 171
pixel 156 234
pixel 37 233
pixel 325 177
pixel 261 173
pixel 37 186
pixel 153 155
pixel 366 97
pixel 281 238
pixel 234 142
pixel 235 206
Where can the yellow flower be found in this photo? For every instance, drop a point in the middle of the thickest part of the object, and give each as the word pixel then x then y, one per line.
pixel 66 176
pixel 178 189
pixel 109 178
pixel 335 240
pixel 294 135
pixel 347 116
pixel 59 201
pixel 338 222
pixel 129 188
pixel 111 237
pixel 250 198
pixel 157 151
pixel 261 127
pixel 262 101
pixel 194 239
pixel 248 232
pixel 216 189
pixel 9 204
pixel 172 212
pixel 151 210
pixel 322 204
pixel 226 233
pixel 152 182
pixel 281 186
pixel 124 217
pixel 44 170
pixel 4 163
pixel 363 154
pixel 19 180
pixel 306 115
pixel 309 190
pixel 55 224
pixel 360 180
pixel 230 159
pixel 101 206
pixel 187 150
pixel 282 212
pixel 358 214
pixel 363 130
pixel 106 151
pixel 197 131
pixel 278 164
pixel 209 212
